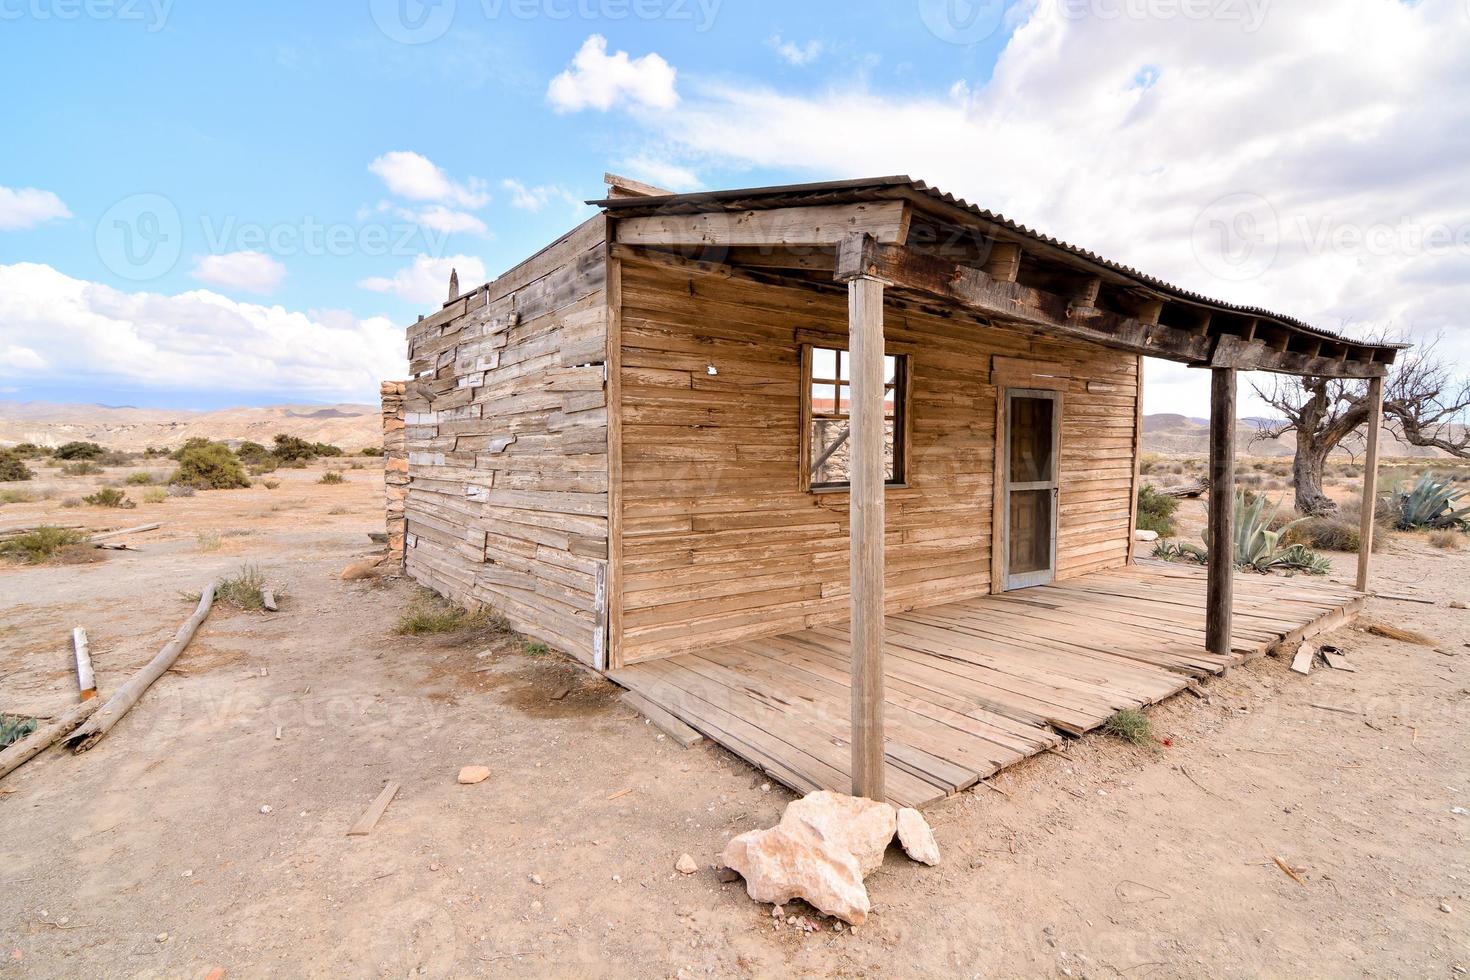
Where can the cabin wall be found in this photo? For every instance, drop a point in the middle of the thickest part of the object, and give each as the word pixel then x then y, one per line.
pixel 718 541
pixel 395 467
pixel 506 432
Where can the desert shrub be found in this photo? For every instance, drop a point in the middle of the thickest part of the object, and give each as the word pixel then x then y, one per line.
pixel 210 466
pixel 14 496
pixel 1156 511
pixel 251 452
pixel 1432 503
pixel 70 502
pixel 139 479
pixel 332 476
pixel 78 450
pixel 263 465
pixel 294 464
pixel 13 728
pixel 1447 539
pixel 326 449
pixel 243 589
pixel 1181 551
pixel 355 466
pixel 39 544
pixel 109 497
pixel 371 451
pixel 1131 725
pixel 115 457
pixel 12 467
pixel 207 540
pixel 194 443
pixel 1326 534
pixel 537 649
pixel 270 484
pixel 154 452
pixel 180 490
pixel 29 450
pixel 289 449
pixel 84 468
pixel 155 495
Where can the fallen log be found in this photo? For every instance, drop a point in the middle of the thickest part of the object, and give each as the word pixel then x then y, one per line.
pixel 1189 490
pixel 44 736
pixel 127 530
pixel 126 696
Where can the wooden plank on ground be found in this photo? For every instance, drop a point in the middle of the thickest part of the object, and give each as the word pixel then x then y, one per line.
pixel 369 818
pixel 661 719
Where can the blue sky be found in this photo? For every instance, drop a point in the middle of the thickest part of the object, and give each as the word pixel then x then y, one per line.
pixel 293 175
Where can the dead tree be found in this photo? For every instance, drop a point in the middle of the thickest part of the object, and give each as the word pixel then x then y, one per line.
pixel 1423 405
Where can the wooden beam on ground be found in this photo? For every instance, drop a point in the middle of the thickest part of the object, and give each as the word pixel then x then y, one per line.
pixel 86 677
pixel 369 818
pixel 1370 482
pixel 1221 571
pixel 865 516
pixel 885 221
pixel 663 720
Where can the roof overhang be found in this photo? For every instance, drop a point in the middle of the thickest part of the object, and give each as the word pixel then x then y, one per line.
pixel 934 247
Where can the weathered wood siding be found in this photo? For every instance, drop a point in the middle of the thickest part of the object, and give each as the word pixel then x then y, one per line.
pixel 718 541
pixel 507 445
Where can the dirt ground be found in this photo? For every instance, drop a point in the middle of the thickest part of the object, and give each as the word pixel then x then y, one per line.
pixel 154 855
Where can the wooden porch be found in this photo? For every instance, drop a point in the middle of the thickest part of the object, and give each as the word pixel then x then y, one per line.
pixel 973 686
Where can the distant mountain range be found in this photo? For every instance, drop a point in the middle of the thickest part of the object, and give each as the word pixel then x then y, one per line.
pixel 47 423
pixel 356 426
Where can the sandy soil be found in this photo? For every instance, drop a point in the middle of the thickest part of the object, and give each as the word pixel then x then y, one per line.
pixel 1105 860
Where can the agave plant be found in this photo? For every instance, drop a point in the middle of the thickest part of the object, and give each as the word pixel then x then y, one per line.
pixel 1258 546
pixel 1430 503
pixel 1180 551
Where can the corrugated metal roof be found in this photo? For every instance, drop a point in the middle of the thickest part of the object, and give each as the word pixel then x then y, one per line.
pixel 836 191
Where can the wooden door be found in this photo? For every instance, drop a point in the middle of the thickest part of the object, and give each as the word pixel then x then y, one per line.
pixel 1033 428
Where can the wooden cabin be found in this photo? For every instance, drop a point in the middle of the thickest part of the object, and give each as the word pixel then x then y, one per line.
pixel 782 460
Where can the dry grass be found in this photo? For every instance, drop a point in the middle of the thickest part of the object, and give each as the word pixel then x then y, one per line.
pixel 1447 538
pixel 243 589
pixel 207 540
pixel 332 476
pixel 430 615
pixel 1395 633
pixel 1131 725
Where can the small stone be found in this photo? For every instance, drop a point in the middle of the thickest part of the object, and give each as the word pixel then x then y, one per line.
pixel 685 865
pixel 535 906
pixel 916 837
pixel 435 867
pixel 1444 907
pixel 1457 604
pixel 470 775
pixel 618 879
pixel 1142 535
pixel 765 787
pixel 535 879
pixel 776 912
pixel 162 937
pixel 187 873
pixel 265 808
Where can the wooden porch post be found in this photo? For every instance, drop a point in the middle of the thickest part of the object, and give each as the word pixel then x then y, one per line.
pixel 865 512
pixel 1370 481
pixel 1222 509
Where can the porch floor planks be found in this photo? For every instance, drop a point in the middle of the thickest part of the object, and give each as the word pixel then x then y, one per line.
pixel 980 684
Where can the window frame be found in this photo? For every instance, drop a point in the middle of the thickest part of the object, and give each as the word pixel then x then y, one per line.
pixel 903 377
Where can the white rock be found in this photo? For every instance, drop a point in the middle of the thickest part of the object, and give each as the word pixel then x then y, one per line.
pixel 819 851
pixel 916 837
pixel 265 808
pixel 1140 534
pixel 685 865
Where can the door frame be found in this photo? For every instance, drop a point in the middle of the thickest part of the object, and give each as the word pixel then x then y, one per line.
pixel 1044 576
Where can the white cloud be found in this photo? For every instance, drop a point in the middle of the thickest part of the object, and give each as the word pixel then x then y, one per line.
pixel 28 207
pixel 59 329
pixel 797 54
pixel 426 281
pixel 536 198
pixel 1357 149
pixel 253 272
pixel 598 80
pixel 437 217
pixel 416 177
